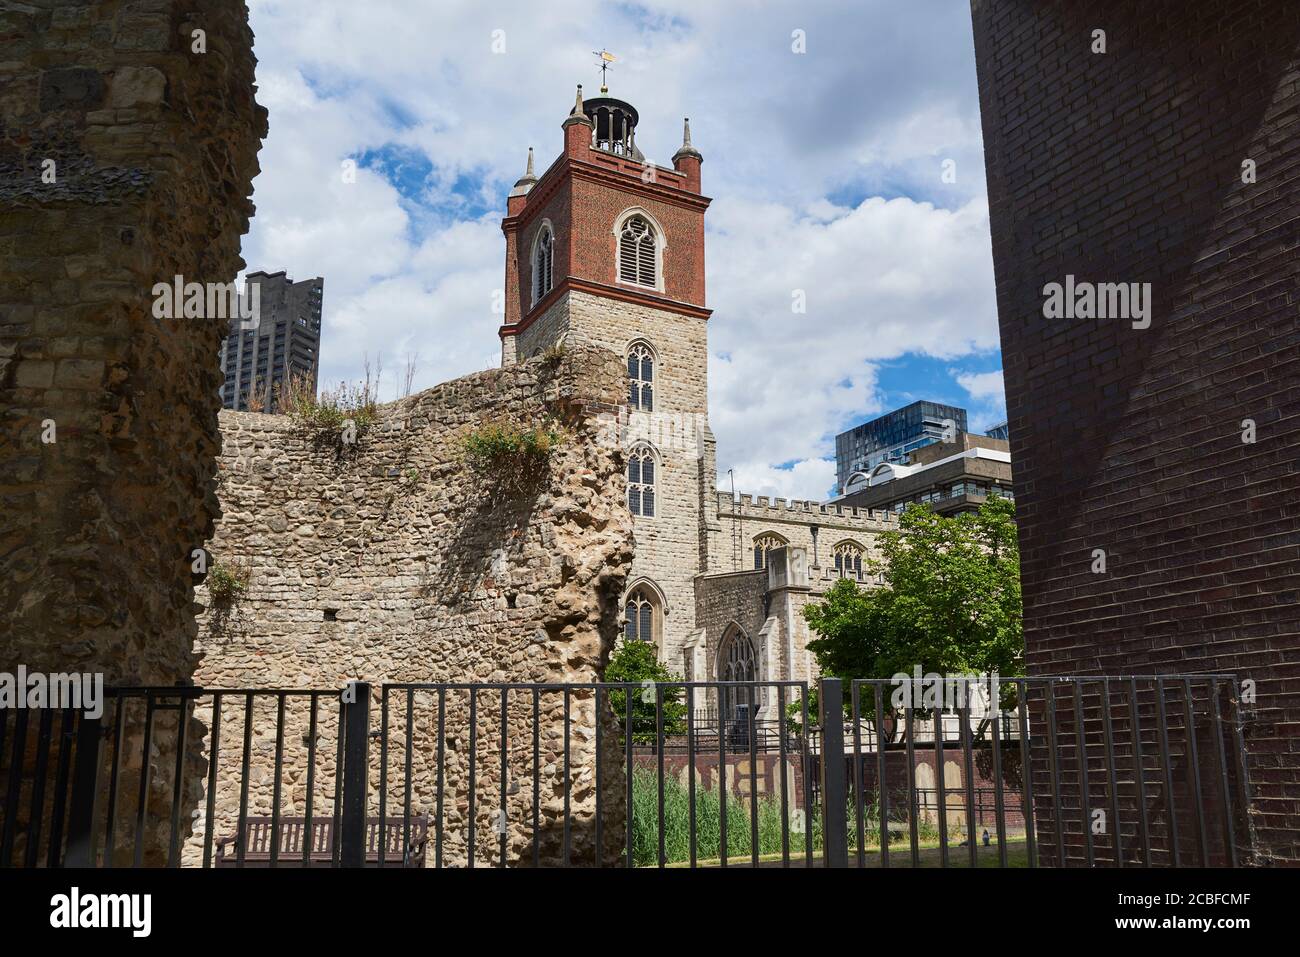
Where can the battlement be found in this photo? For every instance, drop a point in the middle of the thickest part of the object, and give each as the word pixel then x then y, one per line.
pixel 802 510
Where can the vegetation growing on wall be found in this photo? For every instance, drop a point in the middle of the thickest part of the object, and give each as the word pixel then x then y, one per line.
pixel 345 413
pixel 228 582
pixel 510 457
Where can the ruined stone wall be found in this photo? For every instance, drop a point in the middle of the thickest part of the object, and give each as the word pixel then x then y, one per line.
pixel 126 159
pixel 392 561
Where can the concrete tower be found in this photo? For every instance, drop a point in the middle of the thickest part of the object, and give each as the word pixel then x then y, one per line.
pixel 608 248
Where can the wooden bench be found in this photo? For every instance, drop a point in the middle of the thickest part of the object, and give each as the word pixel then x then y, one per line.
pixel 320 853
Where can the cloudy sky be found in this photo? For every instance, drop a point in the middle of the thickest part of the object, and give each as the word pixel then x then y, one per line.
pixel 825 167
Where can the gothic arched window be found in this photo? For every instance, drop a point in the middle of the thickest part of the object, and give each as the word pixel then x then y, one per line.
pixel 543 262
pixel 642 613
pixel 737 662
pixel 636 252
pixel 848 560
pixel 765 543
pixel 641 482
pixel 640 378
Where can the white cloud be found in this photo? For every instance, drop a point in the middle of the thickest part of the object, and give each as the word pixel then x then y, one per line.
pixel 796 146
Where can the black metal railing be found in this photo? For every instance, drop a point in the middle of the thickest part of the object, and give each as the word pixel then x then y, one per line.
pixel 1132 771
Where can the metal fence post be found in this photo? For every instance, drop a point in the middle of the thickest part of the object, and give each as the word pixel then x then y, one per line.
pixel 835 832
pixel 85 793
pixel 355 726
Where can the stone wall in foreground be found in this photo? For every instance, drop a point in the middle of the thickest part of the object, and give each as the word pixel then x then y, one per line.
pixel 394 561
pixel 126 159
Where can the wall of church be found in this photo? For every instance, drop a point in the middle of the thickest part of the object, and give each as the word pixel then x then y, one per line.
pixel 394 562
pixel 741 521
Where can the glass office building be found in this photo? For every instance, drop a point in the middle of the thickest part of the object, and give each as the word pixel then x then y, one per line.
pixel 892 436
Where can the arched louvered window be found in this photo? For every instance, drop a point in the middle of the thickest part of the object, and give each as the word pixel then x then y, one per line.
pixel 636 252
pixel 765 543
pixel 848 560
pixel 641 378
pixel 641 482
pixel 543 263
pixel 641 613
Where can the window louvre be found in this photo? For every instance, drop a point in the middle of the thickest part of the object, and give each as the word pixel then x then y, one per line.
pixel 636 253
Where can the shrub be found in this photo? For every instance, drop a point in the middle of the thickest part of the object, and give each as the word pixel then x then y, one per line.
pixel 227 583
pixel 510 457
pixel 332 410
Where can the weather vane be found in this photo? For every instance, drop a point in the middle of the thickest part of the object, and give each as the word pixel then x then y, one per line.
pixel 606 58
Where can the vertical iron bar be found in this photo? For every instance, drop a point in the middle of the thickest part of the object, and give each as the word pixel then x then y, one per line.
pixel 659 755
pixel 1170 806
pixel 940 786
pixel 442 751
pixel 785 784
pixel 913 809
pixel 859 779
pixel 119 732
pixel 213 759
pixel 882 802
pixel 968 772
pixel 999 802
pixel 1139 773
pixel 1243 775
pixel 835 836
pixel 142 805
pixel 473 776
pixel 753 776
pixel 566 776
pixel 1053 756
pixel 537 776
pixel 690 772
pixel 279 773
pixel 37 813
pixel 307 842
pixel 335 831
pixel 1085 797
pixel 807 777
pixel 1026 773
pixel 381 826
pixel 241 832
pixel 1194 761
pixel 1229 840
pixel 182 741
pixel 406 774
pixel 356 767
pixel 505 770
pixel 722 775
pixel 1112 776
pixel 53 859
pixel 627 748
pixel 85 794
pixel 600 784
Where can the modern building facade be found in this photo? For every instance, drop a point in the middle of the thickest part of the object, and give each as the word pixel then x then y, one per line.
pixel 950 477
pixel 282 340
pixel 892 436
pixel 606 249
pixel 1157 455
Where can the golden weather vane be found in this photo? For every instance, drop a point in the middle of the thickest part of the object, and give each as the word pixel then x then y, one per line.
pixel 606 58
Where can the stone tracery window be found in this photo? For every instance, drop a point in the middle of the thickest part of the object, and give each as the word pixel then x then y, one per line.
pixel 641 482
pixel 737 662
pixel 848 560
pixel 543 263
pixel 640 378
pixel 637 253
pixel 642 613
pixel 765 543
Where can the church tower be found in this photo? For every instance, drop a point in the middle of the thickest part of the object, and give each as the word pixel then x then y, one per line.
pixel 607 248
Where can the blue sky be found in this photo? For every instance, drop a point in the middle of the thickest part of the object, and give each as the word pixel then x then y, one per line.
pixel 825 164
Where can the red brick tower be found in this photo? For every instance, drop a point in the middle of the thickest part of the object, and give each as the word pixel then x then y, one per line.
pixel 607 248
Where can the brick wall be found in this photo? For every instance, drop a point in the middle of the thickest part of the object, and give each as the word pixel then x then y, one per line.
pixel 1127 166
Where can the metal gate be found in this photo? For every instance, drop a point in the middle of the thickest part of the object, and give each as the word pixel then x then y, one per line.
pixel 1132 771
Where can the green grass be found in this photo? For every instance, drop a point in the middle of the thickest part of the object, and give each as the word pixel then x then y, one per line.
pixel 708 819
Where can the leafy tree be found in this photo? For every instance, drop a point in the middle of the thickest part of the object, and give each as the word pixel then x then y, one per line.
pixel 950 601
pixel 636 662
